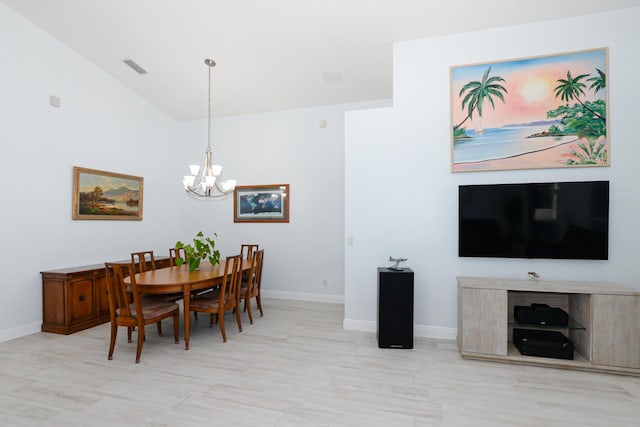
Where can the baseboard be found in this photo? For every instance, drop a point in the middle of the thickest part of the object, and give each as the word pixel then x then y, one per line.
pixel 437 332
pixel 299 296
pixel 32 328
pixel 359 325
pixel 421 331
pixel 20 331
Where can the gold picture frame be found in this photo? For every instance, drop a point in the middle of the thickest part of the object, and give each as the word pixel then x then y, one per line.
pixel 101 195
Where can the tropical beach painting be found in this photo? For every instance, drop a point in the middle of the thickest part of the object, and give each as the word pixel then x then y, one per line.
pixel 106 195
pixel 541 112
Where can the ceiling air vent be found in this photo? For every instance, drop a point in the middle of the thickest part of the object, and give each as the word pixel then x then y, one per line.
pixel 138 69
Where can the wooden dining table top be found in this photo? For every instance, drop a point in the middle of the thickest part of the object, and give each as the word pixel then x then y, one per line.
pixel 180 279
pixel 173 279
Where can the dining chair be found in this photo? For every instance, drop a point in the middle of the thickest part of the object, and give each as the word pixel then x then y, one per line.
pixel 144 261
pixel 224 298
pixel 246 250
pixel 128 308
pixel 251 288
pixel 175 253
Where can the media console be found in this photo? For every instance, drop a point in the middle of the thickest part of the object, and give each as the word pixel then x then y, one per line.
pixel 604 322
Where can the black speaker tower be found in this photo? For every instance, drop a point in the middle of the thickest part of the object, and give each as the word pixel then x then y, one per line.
pixel 395 308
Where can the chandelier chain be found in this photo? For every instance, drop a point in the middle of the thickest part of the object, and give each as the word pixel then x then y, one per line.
pixel 209 110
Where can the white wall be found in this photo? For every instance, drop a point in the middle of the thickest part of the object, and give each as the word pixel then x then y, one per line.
pixel 410 209
pixel 103 125
pixel 304 259
pixel 100 125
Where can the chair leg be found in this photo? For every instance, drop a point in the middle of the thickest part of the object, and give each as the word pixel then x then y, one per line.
pixel 140 342
pixel 237 312
pixel 247 305
pixel 129 331
pixel 259 304
pixel 224 334
pixel 176 326
pixel 211 317
pixel 112 344
pixel 159 328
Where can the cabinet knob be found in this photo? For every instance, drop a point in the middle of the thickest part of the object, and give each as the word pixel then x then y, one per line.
pixel 82 298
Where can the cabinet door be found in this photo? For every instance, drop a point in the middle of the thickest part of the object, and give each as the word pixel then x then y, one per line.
pixel 81 302
pixel 101 295
pixel 616 330
pixel 483 320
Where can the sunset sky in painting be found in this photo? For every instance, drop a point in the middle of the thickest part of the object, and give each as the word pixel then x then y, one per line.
pixel 529 83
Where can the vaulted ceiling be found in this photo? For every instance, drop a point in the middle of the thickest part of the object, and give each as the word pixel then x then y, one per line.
pixel 270 54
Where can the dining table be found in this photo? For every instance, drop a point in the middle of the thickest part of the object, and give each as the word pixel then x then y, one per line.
pixel 179 279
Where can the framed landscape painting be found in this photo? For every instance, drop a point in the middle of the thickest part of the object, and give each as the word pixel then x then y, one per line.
pixel 261 203
pixel 106 195
pixel 541 112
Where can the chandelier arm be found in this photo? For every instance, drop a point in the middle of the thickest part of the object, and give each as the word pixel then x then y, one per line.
pixel 221 190
pixel 209 195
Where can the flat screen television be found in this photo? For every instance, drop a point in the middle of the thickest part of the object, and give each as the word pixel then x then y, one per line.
pixel 556 220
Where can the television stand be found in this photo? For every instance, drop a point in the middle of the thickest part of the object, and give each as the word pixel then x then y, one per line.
pixel 604 322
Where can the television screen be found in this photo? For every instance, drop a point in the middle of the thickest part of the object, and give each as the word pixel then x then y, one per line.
pixel 558 220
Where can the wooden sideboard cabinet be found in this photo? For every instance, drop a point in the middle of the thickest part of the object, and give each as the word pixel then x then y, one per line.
pixel 604 322
pixel 76 298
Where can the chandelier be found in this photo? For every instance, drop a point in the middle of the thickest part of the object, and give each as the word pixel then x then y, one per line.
pixel 206 183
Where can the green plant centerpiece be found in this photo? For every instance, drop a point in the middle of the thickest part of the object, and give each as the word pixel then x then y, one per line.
pixel 202 248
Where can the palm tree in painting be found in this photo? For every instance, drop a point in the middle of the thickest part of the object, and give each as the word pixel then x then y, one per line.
pixel 476 92
pixel 599 82
pixel 572 88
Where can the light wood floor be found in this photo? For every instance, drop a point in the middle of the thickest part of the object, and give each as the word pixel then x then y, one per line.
pixel 294 367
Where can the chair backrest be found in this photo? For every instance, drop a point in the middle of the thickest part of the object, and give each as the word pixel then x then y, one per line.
pixel 177 253
pixel 119 295
pixel 260 264
pixel 144 261
pixel 232 278
pixel 247 250
pixel 255 273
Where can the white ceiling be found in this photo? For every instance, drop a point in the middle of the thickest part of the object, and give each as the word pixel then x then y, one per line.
pixel 271 54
